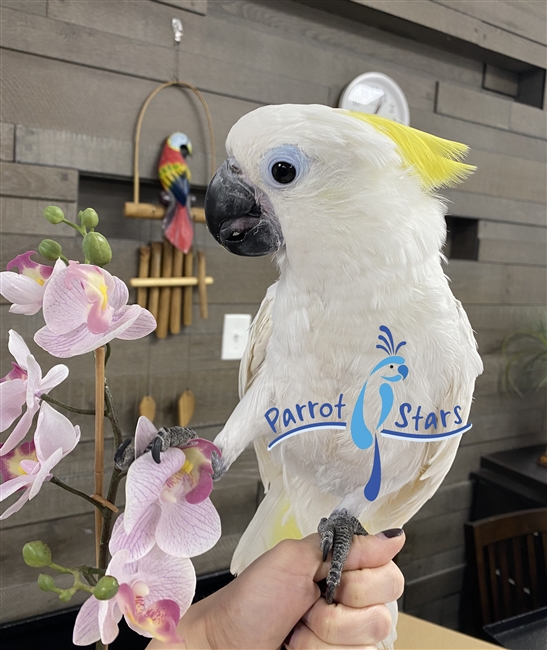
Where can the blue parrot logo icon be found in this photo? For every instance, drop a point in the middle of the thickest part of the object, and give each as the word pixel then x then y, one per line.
pixel 392 369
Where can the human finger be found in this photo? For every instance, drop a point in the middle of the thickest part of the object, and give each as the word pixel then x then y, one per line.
pixel 302 638
pixel 368 551
pixel 341 625
pixel 364 587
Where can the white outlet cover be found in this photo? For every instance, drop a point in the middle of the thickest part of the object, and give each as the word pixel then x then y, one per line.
pixel 235 335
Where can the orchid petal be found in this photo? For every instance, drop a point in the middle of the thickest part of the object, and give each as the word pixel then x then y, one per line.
pixel 18 348
pixel 117 565
pixel 159 621
pixel 167 578
pixel 44 472
pixel 186 530
pixel 109 617
pixel 33 381
pixel 12 399
pixel 144 434
pixel 20 431
pixel 16 506
pixel 54 377
pixel 142 538
pixel 86 628
pixel 10 463
pixel 25 294
pixel 14 484
pixel 81 340
pixel 143 325
pixel 145 481
pixel 54 431
pixel 65 303
pixel 120 294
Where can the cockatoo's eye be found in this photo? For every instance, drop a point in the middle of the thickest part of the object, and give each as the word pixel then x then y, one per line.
pixel 283 166
pixel 391 366
pixel 283 172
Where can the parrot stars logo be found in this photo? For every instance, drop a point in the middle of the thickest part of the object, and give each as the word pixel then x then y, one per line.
pixel 389 371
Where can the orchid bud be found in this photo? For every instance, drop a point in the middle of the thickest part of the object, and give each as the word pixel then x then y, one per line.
pixel 88 218
pixel 45 582
pixel 65 595
pixel 37 554
pixel 106 588
pixel 96 248
pixel 50 249
pixel 54 214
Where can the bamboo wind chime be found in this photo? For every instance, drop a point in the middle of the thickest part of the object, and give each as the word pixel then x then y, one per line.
pixel 165 280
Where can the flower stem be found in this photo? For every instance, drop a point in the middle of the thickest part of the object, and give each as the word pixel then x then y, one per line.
pixel 72 409
pixel 107 514
pixel 111 415
pixel 66 487
pixel 99 440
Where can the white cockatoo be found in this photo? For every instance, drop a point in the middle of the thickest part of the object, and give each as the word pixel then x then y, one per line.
pixel 358 377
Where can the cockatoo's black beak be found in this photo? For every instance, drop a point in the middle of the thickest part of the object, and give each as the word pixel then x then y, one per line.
pixel 238 214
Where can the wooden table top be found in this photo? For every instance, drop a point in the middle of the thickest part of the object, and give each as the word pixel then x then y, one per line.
pixel 416 634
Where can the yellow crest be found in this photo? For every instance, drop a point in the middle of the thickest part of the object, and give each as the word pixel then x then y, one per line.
pixel 436 162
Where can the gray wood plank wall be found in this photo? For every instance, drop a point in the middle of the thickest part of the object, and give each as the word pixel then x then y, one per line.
pixel 75 74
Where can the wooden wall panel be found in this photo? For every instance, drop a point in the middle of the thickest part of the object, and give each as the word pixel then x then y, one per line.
pixel 496 208
pixel 527 19
pixel 7 141
pixel 451 22
pixel 36 7
pixel 26 216
pixel 197 6
pixel 466 104
pixel 38 182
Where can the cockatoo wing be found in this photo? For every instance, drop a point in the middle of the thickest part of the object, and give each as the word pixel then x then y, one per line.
pixel 439 456
pixel 251 365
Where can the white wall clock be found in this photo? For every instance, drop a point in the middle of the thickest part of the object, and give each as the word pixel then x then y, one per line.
pixel 374 92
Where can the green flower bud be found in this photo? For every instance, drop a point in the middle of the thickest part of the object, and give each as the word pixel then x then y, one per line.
pixel 37 554
pixel 50 249
pixel 45 582
pixel 106 588
pixel 96 248
pixel 65 595
pixel 54 214
pixel 88 218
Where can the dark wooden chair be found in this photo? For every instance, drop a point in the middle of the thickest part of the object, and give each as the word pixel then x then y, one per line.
pixel 507 555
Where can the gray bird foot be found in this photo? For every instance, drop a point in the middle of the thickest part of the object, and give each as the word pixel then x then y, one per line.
pixel 166 438
pixel 170 437
pixel 219 466
pixel 337 534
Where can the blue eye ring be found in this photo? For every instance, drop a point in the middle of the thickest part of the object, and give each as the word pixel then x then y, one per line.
pixel 284 166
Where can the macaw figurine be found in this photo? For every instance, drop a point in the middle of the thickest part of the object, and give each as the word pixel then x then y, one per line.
pixel 175 176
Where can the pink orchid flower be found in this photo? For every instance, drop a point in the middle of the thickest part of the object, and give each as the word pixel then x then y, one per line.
pixel 86 307
pixel 30 465
pixel 24 385
pixel 153 595
pixel 168 504
pixel 26 288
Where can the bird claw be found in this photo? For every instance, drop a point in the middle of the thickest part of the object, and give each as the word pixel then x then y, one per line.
pixel 337 534
pixel 218 465
pixel 169 437
pixel 165 439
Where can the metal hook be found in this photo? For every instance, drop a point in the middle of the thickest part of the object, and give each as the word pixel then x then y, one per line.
pixel 178 30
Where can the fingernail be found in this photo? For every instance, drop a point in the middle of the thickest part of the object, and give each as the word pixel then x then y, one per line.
pixel 292 636
pixel 390 533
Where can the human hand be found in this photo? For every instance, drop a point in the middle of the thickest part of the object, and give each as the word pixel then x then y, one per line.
pixel 261 607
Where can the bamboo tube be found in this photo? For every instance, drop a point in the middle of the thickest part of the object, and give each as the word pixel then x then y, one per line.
pixel 186 408
pixel 144 268
pixel 165 291
pixel 202 286
pixel 153 211
pixel 99 441
pixel 155 272
pixel 168 282
pixel 188 271
pixel 176 293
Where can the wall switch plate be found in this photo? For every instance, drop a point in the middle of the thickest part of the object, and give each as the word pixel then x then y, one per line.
pixel 235 335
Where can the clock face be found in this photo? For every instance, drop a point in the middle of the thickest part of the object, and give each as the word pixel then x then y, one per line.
pixel 376 93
